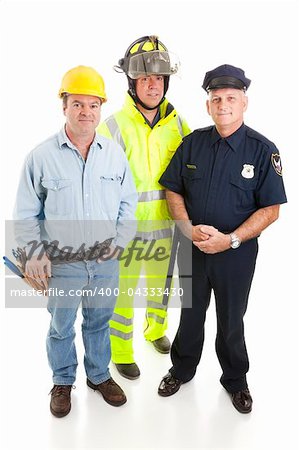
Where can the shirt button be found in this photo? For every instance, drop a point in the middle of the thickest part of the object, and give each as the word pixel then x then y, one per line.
pixel 87 214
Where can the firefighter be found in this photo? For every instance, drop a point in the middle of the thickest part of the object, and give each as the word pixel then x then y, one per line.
pixel 149 129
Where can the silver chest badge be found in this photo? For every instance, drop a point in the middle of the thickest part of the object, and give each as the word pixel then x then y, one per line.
pixel 248 171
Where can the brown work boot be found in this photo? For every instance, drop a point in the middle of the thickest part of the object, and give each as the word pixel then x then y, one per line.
pixel 60 404
pixel 111 392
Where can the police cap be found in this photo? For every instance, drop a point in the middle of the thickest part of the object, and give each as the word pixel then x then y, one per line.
pixel 225 76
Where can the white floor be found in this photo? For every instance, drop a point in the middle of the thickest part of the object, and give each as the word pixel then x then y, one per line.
pixel 199 416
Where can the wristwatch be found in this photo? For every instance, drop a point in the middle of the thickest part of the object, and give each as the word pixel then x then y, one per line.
pixel 235 241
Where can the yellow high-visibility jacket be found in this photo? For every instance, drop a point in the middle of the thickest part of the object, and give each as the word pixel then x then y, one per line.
pixel 148 150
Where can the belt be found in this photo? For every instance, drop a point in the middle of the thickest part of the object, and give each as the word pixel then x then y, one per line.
pixel 57 256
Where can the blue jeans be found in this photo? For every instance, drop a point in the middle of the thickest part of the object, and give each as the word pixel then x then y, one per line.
pixel 94 285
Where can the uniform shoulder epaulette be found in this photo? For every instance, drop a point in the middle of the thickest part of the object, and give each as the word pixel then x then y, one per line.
pixel 190 136
pixel 209 128
pixel 259 137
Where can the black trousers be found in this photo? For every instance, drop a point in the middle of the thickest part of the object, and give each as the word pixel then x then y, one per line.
pixel 229 274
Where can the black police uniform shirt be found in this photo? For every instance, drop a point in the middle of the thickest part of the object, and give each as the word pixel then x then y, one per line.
pixel 224 181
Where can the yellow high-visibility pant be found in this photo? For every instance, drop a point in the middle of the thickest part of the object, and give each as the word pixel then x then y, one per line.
pixel 138 292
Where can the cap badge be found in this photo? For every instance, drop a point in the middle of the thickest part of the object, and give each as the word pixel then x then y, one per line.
pixel 248 171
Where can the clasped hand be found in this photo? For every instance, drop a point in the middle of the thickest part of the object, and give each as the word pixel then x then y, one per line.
pixel 209 240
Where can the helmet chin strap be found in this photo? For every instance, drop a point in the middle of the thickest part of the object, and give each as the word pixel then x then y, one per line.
pixel 133 94
pixel 148 108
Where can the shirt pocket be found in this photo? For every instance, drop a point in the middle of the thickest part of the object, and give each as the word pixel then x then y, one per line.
pixel 110 193
pixel 190 176
pixel 192 182
pixel 244 193
pixel 58 196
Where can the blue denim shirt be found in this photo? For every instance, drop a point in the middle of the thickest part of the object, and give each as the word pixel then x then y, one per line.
pixel 78 201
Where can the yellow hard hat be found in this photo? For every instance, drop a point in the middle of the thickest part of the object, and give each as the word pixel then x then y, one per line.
pixel 83 80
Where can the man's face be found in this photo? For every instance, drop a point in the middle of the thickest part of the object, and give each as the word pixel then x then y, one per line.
pixel 83 113
pixel 150 89
pixel 226 107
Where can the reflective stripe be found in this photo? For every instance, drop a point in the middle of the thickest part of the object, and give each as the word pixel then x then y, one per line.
pixel 180 125
pixel 151 195
pixel 116 134
pixel 156 234
pixel 156 318
pixel 121 334
pixel 115 131
pixel 155 305
pixel 121 319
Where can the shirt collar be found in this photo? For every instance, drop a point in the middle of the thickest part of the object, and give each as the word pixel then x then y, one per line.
pixel 64 141
pixel 156 119
pixel 215 136
pixel 234 140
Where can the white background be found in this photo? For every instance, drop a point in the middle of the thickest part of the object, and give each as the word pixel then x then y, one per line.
pixel 40 41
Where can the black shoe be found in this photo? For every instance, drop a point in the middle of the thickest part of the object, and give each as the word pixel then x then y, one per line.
pixel 130 371
pixel 242 401
pixel 169 385
pixel 162 345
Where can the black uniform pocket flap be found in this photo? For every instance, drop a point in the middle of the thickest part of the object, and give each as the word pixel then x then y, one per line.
pixel 191 173
pixel 244 183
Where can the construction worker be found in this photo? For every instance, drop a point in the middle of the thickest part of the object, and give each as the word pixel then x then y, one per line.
pixel 82 185
pixel 149 129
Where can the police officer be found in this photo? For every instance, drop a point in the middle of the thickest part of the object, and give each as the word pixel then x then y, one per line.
pixel 226 179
